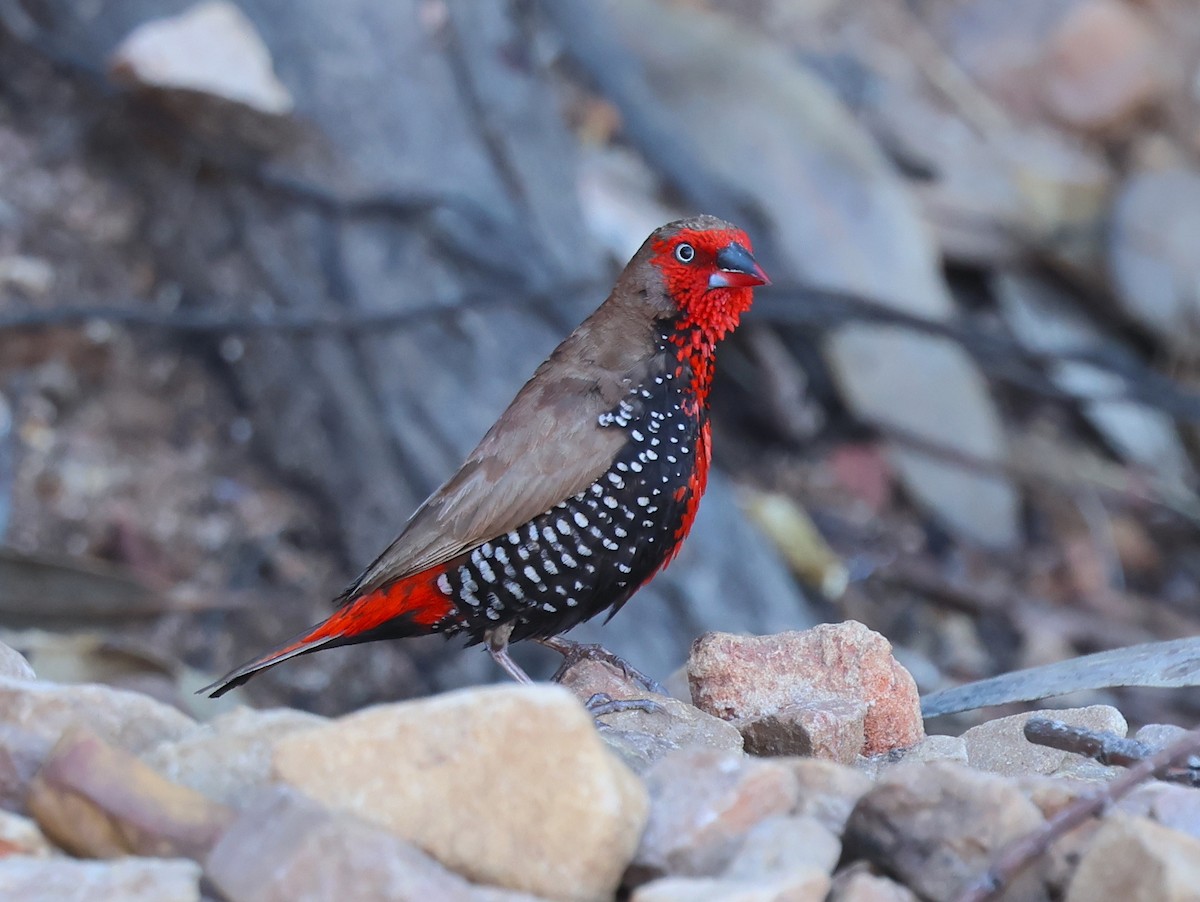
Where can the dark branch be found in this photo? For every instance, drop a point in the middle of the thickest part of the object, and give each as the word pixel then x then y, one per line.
pixel 1106 748
pixel 1018 855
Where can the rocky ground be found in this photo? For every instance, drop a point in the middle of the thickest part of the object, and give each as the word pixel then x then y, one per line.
pixel 800 771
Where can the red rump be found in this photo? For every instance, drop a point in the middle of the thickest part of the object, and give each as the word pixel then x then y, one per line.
pixel 415 599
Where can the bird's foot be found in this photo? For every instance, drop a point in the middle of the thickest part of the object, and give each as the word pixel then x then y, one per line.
pixel 574 652
pixel 602 703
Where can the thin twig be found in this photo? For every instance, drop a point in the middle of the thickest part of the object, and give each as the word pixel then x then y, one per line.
pixel 1019 854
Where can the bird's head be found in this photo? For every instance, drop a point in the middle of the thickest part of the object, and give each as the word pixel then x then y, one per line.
pixel 708 272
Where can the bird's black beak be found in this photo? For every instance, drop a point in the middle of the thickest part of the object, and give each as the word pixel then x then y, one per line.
pixel 737 269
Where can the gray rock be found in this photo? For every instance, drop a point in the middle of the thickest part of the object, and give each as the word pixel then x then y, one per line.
pixel 827 791
pixel 1160 735
pixel 230 756
pixel 284 847
pixel 13 664
pixel 702 806
pixel 128 720
pixel 937 826
pixel 1152 240
pixel 1044 321
pixel 779 845
pixel 125 879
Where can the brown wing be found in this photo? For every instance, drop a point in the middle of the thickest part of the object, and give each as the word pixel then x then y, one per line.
pixel 547 446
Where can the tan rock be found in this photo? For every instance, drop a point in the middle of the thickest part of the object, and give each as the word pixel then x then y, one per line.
pixel 507 785
pixel 125 879
pixel 702 806
pixel 642 737
pixel 284 847
pixel 799 886
pixel 229 757
pixel 830 728
pixel 98 801
pixel 936 827
pixel 1000 746
pixel 739 677
pixel 827 791
pixel 1136 860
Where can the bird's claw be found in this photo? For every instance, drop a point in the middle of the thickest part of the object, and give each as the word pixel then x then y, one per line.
pixel 602 703
pixel 574 652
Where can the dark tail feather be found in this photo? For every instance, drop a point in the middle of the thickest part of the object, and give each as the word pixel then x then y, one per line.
pixel 302 645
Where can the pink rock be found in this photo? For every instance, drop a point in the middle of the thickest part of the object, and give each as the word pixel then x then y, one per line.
pixel 744 677
pixel 1103 66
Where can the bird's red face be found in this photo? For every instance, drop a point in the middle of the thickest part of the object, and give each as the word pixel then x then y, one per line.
pixel 710 274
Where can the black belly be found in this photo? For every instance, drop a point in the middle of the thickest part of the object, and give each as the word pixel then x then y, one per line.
pixel 591 552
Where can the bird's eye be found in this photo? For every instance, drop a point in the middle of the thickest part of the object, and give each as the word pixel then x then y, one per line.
pixel 685 253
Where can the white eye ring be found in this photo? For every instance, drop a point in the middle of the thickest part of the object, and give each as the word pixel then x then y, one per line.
pixel 685 253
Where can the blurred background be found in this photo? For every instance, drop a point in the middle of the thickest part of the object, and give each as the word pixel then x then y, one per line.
pixel 268 270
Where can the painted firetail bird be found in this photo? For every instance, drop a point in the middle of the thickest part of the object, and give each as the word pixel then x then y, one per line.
pixel 585 487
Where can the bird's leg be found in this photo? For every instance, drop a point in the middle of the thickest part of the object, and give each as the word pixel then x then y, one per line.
pixel 497 646
pixel 574 652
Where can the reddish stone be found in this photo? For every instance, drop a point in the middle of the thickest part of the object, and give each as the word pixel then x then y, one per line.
pixel 744 677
